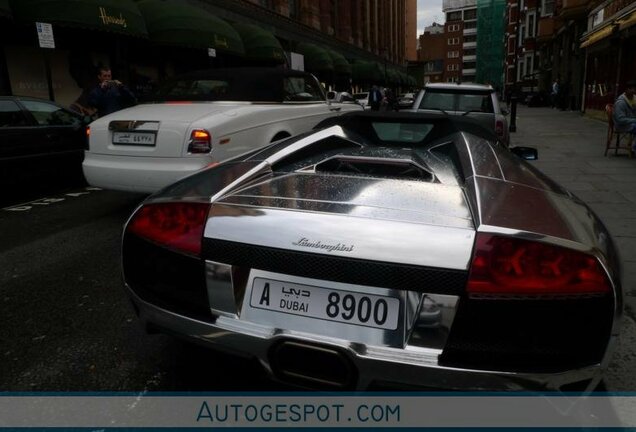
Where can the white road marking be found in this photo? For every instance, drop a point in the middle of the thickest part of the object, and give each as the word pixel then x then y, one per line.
pixel 47 201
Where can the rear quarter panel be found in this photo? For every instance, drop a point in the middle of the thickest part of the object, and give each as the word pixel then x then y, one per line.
pixel 238 131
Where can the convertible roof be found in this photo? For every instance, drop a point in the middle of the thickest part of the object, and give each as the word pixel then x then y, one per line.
pixel 253 84
pixel 360 122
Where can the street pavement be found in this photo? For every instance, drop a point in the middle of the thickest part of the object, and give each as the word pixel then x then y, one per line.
pixel 571 150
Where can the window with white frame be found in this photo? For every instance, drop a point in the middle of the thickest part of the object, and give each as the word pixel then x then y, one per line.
pixel 453 54
pixel 520 70
pixel 529 62
pixel 453 41
pixel 547 7
pixel 530 22
pixel 511 45
pixel 453 27
pixel 512 15
pixel 452 67
pixel 522 33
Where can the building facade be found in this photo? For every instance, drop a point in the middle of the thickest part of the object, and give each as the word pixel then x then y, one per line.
pixel 432 53
pixel 345 42
pixel 522 69
pixel 460 63
pixel 588 45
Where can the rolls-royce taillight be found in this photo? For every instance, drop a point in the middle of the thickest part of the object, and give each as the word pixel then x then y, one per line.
pixel 200 141
pixel 510 267
pixel 177 226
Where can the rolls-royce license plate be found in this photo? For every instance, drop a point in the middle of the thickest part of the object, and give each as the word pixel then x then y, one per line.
pixel 326 304
pixel 134 138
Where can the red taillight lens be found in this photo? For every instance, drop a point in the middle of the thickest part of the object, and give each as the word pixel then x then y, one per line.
pixel 510 266
pixel 88 137
pixel 174 225
pixel 200 141
pixel 499 128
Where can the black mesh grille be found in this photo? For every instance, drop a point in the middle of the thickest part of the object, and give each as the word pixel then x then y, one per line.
pixel 336 268
pixel 531 336
pixel 168 279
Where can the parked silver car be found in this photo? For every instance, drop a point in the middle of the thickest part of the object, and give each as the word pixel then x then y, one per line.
pixel 379 252
pixel 476 101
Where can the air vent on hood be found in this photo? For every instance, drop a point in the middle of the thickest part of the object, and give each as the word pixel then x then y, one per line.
pixel 376 167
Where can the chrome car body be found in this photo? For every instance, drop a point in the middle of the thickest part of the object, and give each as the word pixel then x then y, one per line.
pixel 359 209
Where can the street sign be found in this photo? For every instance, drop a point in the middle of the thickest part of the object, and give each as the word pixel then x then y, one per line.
pixel 211 52
pixel 45 35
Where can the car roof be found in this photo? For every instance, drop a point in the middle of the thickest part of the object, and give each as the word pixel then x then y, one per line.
pixel 29 98
pixel 449 123
pixel 455 86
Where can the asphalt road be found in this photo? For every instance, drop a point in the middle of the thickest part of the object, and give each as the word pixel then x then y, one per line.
pixel 66 321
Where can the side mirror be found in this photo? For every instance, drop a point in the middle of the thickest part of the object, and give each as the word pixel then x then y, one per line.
pixel 526 153
pixel 505 111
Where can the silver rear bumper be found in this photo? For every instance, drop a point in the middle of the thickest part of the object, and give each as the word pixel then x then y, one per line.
pixel 412 367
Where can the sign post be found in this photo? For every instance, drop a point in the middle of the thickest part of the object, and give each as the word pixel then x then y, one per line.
pixel 47 40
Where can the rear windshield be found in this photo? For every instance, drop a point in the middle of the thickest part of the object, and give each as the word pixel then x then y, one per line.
pixel 464 101
pixel 402 132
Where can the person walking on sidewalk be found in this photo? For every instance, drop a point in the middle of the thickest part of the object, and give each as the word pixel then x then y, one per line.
pixel 625 112
pixel 555 93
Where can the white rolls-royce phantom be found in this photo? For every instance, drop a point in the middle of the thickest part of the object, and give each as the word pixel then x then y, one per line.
pixel 201 119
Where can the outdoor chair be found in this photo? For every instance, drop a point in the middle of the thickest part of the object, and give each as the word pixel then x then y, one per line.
pixel 616 140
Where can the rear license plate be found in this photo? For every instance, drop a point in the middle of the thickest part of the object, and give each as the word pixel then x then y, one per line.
pixel 134 138
pixel 326 304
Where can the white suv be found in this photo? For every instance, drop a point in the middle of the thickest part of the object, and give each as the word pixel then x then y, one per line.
pixel 477 101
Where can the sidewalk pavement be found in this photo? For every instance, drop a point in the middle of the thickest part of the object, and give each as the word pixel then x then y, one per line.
pixel 571 151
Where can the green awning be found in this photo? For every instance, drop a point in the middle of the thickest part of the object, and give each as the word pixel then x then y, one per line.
pixel 393 76
pixel 370 72
pixel 175 22
pixel 259 43
pixel 316 58
pixel 119 16
pixel 5 10
pixel 340 64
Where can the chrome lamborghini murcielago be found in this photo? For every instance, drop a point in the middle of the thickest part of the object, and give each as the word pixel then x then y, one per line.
pixel 382 251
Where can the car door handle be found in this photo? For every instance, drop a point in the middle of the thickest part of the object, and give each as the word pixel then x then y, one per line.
pixel 335 108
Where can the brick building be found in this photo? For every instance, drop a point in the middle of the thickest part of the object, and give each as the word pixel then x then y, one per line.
pixel 432 53
pixel 461 40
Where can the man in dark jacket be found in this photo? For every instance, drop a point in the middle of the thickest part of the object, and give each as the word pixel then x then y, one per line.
pixel 375 98
pixel 110 95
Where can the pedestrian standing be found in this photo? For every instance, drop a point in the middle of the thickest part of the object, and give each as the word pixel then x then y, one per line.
pixel 375 98
pixel 110 95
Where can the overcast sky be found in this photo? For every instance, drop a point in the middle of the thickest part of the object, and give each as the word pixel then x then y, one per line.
pixel 427 12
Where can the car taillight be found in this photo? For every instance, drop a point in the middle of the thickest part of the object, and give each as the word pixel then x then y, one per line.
pixel 200 141
pixel 177 226
pixel 504 266
pixel 499 128
pixel 88 137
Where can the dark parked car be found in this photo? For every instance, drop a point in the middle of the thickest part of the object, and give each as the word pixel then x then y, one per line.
pixel 39 140
pixel 384 250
